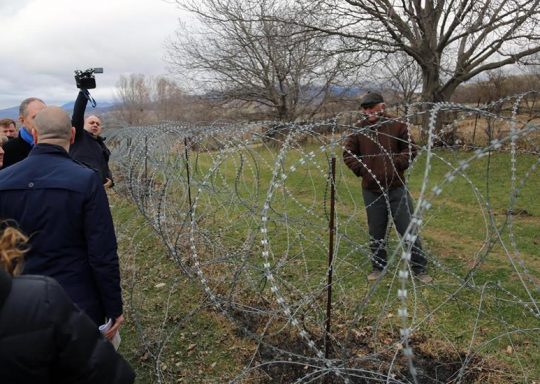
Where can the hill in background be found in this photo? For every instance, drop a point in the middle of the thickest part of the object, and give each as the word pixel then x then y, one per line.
pixel 101 108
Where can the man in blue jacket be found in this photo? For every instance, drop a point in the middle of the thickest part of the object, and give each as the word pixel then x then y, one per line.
pixel 62 206
pixel 18 148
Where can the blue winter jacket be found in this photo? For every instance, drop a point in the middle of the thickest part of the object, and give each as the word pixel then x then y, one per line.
pixel 63 207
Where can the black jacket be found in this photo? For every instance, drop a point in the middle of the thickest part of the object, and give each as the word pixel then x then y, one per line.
pixel 87 149
pixel 44 338
pixel 15 150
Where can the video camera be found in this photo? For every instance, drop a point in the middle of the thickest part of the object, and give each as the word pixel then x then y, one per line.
pixel 86 79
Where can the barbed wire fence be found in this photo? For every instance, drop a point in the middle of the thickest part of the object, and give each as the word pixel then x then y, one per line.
pixel 250 212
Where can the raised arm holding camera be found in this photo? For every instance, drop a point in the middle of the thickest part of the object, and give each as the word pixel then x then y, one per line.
pixel 89 147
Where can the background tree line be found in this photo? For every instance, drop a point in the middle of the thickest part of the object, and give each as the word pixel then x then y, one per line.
pixel 296 60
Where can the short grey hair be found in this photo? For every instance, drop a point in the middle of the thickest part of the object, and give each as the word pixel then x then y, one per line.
pixel 23 108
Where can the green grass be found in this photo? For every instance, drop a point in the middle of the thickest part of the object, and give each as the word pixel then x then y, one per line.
pixel 466 232
pixel 169 334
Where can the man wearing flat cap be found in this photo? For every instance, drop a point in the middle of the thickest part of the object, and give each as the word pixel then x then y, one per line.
pixel 380 152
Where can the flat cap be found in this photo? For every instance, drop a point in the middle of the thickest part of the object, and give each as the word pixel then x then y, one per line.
pixel 371 99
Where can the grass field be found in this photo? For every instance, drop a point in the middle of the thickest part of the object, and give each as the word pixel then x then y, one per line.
pixel 478 314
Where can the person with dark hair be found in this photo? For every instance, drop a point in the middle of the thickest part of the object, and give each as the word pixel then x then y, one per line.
pixel 63 205
pixel 8 127
pixel 18 148
pixel 380 153
pixel 44 337
pixel 89 147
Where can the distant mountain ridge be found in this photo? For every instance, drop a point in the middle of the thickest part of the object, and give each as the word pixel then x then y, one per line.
pixel 102 107
pixel 9 113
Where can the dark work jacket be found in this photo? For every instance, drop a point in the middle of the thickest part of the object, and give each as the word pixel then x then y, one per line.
pixel 87 149
pixel 63 207
pixel 44 338
pixel 379 153
pixel 15 150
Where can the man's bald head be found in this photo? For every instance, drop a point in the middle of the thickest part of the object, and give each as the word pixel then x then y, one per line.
pixel 53 126
pixel 93 125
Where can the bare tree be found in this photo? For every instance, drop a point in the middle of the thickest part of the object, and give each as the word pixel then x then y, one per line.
pixel 169 100
pixel 532 80
pixel 401 75
pixel 531 70
pixel 150 99
pixel 133 94
pixel 452 41
pixel 245 54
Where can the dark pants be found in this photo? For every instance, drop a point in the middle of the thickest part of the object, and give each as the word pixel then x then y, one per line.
pixel 401 208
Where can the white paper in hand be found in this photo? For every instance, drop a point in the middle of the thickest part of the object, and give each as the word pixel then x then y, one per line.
pixel 116 339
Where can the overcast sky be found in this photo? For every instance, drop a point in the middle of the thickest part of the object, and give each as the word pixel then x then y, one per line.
pixel 43 41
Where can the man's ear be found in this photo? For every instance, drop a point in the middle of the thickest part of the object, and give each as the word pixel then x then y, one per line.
pixel 34 135
pixel 21 119
pixel 72 139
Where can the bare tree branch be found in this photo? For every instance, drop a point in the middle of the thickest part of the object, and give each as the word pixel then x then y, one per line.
pixel 245 52
pixel 451 41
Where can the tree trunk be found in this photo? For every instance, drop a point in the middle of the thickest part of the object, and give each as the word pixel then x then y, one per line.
pixel 431 93
pixel 431 87
pixel 282 112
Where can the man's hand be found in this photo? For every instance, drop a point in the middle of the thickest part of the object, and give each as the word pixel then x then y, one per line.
pixel 115 327
pixel 108 183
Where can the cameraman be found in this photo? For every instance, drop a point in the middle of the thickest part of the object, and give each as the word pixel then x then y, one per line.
pixel 89 147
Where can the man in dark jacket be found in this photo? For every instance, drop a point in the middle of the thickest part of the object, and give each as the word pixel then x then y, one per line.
pixel 18 148
pixel 8 127
pixel 63 207
pixel 89 147
pixel 44 338
pixel 380 152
